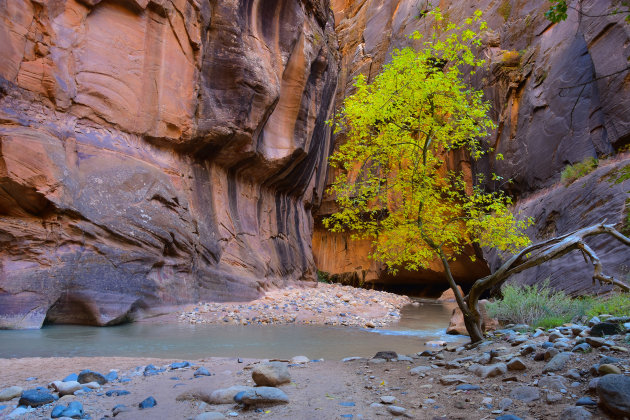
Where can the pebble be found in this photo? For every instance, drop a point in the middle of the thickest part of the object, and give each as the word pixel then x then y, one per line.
pixel 202 371
pixel 11 392
pixel 583 348
pixel 606 369
pixel 299 360
pixel 271 374
pixel 585 401
pixel 180 365
pixel 395 410
pixel 508 417
pixel 467 387
pixel 117 392
pixel 454 379
pixel 210 415
pixel 120 408
pixel 516 364
pixel 147 403
pixel 388 399
pixel 71 377
pixel 87 376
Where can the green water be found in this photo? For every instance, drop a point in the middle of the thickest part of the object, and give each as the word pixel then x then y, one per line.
pixel 416 326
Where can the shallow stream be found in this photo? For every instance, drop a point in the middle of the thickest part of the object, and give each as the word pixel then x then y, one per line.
pixel 418 324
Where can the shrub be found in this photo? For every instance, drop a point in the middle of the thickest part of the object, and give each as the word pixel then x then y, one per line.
pixel 573 172
pixel 617 304
pixel 323 277
pixel 537 305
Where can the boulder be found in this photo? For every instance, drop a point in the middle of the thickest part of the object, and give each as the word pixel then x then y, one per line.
pixel 91 376
pixel 226 395
pixel 614 394
pixel 456 324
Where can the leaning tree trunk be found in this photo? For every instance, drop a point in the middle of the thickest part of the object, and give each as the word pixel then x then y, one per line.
pixel 529 257
pixel 472 319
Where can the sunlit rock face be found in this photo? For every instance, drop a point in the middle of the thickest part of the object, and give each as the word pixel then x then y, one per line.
pixel 553 107
pixel 158 152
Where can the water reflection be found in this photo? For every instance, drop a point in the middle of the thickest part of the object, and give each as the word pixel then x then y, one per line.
pixel 417 325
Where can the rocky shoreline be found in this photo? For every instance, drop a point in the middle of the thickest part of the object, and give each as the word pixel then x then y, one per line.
pixel 571 372
pixel 326 304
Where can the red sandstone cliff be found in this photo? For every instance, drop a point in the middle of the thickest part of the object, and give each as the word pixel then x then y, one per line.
pixel 155 152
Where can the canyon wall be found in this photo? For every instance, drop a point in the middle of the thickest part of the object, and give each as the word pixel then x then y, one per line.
pixel 158 152
pixel 555 104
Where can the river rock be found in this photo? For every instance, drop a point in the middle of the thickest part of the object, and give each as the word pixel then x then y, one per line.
pixel 73 411
pixel 65 388
pixel 552 397
pixel 210 415
pixel 262 395
pixel 147 403
pixel 396 410
pixel 111 376
pixel 419 369
pixel 226 395
pixel 271 374
pixel 614 394
pixel 299 360
pixel 388 399
pixel 525 393
pixel 71 377
pixel 575 413
pixel 606 328
pixel 36 397
pixel 585 401
pixel 202 371
pixel 180 365
pixel 11 392
pixel 595 341
pixel 90 376
pixel 557 362
pixel 117 392
pixel 491 371
pixel 582 348
pixel 516 364
pixel 454 379
pixel 606 369
pixel 120 408
pixel 387 355
pixel 554 383
pixel 508 417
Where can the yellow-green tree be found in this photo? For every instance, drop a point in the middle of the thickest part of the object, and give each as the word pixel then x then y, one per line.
pixel 394 187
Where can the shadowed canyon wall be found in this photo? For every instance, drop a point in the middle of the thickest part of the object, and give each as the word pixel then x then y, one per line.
pixel 554 106
pixel 157 152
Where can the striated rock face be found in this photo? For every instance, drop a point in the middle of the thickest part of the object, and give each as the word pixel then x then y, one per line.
pixel 155 152
pixel 543 122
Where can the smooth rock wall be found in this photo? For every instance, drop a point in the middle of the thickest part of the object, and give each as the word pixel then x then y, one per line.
pixel 154 153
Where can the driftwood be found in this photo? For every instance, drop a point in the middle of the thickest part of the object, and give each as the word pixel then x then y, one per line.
pixel 533 256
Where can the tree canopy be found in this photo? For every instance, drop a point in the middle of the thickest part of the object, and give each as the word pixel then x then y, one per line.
pixel 394 186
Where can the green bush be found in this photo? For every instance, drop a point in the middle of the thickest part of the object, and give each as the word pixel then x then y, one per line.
pixel 537 305
pixel 572 172
pixel 323 277
pixel 617 304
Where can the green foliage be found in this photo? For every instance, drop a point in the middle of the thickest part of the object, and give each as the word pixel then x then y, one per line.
pixel 617 304
pixel 536 305
pixel 505 9
pixel 393 186
pixel 557 12
pixel 573 172
pixel 551 321
pixel 323 277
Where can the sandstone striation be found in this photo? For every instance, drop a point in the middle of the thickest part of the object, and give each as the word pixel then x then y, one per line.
pixel 158 152
pixel 554 102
